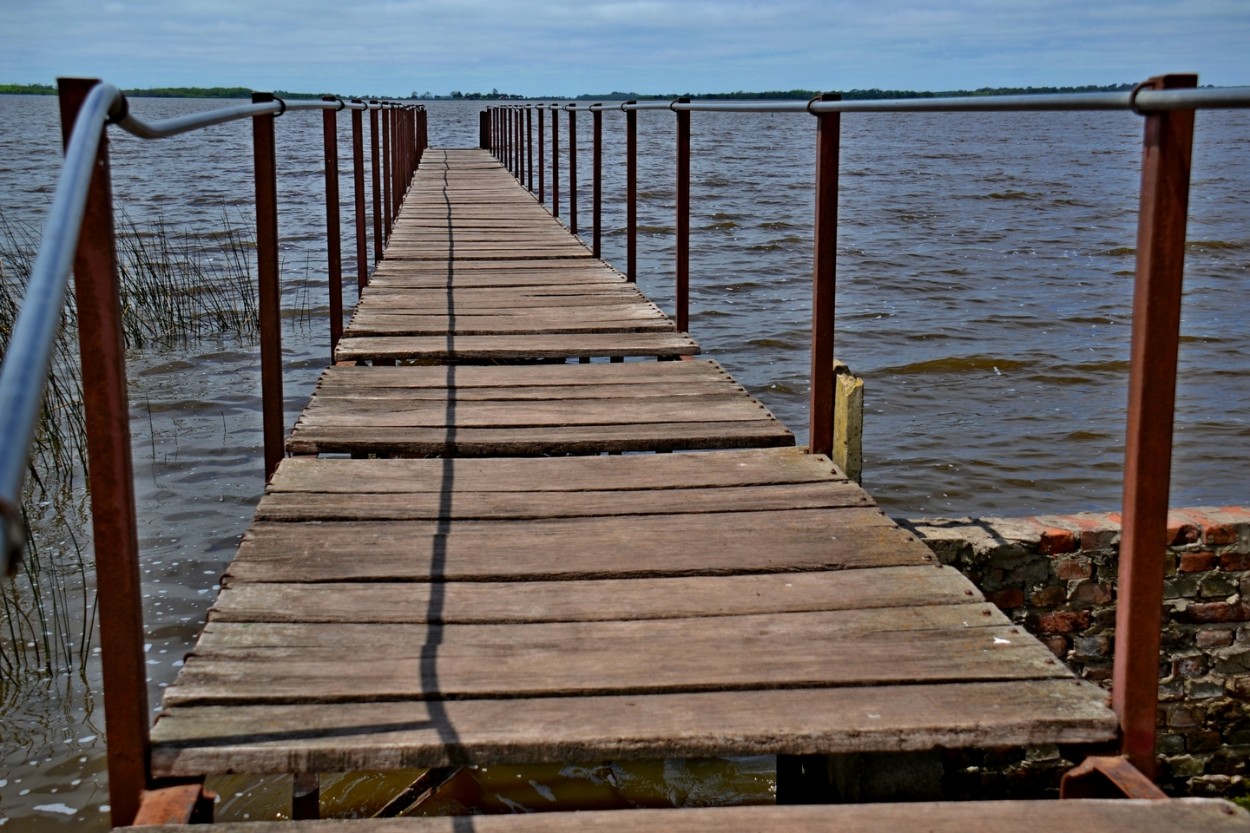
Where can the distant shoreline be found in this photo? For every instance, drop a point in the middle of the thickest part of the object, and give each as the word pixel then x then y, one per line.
pixel 495 95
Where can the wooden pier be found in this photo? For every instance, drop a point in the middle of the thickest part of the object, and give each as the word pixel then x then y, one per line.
pixel 474 556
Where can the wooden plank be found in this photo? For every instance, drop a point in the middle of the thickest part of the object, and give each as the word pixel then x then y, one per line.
pixel 559 346
pixel 244 663
pixel 293 506
pixel 581 601
pixel 584 439
pixel 1072 816
pixel 555 474
pixel 555 373
pixel 360 736
pixel 644 545
pixel 726 406
pixel 658 390
pixel 367 323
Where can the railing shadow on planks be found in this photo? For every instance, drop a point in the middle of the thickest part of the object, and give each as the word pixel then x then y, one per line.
pixel 516 135
pixel 79 232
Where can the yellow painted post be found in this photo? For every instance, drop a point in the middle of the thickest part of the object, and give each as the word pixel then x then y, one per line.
pixel 848 421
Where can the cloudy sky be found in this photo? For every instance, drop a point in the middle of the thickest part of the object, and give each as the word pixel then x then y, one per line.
pixel 563 47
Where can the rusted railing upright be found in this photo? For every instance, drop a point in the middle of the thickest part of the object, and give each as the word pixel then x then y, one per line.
pixel 631 193
pixel 555 160
pixel 824 280
pixel 1166 154
pixel 386 172
pixel 334 251
pixel 375 159
pixel 596 116
pixel 542 161
pixel 572 108
pixel 683 218
pixel 529 146
pixel 358 183
pixel 111 479
pixel 269 297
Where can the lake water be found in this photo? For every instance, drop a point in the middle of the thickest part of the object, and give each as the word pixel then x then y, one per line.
pixel 985 271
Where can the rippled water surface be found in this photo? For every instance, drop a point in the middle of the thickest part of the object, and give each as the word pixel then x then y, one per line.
pixel 985 270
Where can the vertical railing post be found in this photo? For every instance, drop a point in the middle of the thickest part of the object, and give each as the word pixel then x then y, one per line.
pixel 824 280
pixel 542 160
pixel 266 169
pixel 111 482
pixel 555 160
pixel 376 177
pixel 1167 147
pixel 529 145
pixel 483 130
pixel 631 193
pixel 397 163
pixel 358 182
pixel 683 218
pixel 572 168
pixel 334 251
pixel 597 171
pixel 386 170
pixel 425 135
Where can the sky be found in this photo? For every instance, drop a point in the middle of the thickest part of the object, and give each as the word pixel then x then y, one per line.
pixel 567 47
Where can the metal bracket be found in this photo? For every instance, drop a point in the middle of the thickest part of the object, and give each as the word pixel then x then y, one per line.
pixel 1107 777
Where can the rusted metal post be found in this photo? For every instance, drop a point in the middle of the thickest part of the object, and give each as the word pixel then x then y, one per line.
pixel 824 280
pixel 555 160
pixel 397 164
pixel 529 146
pixel 358 181
pixel 334 251
pixel 597 200
pixel 542 161
pixel 518 169
pixel 573 168
pixel 631 194
pixel 1166 152
pixel 425 135
pixel 376 176
pixel 683 218
pixel 483 130
pixel 386 171
pixel 266 169
pixel 116 544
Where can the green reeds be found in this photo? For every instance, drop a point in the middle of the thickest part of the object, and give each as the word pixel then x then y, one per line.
pixel 177 288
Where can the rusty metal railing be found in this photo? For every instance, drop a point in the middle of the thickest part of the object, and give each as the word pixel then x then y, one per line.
pixel 79 233
pixel 1167 105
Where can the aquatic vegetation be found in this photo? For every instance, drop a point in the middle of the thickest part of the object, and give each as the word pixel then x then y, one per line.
pixel 177 287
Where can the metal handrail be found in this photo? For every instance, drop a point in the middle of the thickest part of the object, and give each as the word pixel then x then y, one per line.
pixel 1143 100
pixel 28 357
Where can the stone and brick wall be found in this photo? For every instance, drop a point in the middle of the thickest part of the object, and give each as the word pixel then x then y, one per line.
pixel 1056 575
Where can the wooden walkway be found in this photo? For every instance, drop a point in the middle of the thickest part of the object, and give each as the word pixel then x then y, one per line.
pixel 481 585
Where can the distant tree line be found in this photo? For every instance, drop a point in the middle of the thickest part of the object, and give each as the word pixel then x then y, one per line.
pixel 616 95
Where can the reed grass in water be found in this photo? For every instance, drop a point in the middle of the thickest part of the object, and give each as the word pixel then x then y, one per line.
pixel 177 288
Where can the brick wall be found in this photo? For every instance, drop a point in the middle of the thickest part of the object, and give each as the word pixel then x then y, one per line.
pixel 1056 575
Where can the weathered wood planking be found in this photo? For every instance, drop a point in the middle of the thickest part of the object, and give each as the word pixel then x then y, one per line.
pixel 423 612
pixel 505 347
pixel 578 414
pixel 640 546
pixel 358 735
pixel 515 602
pixel 1072 816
